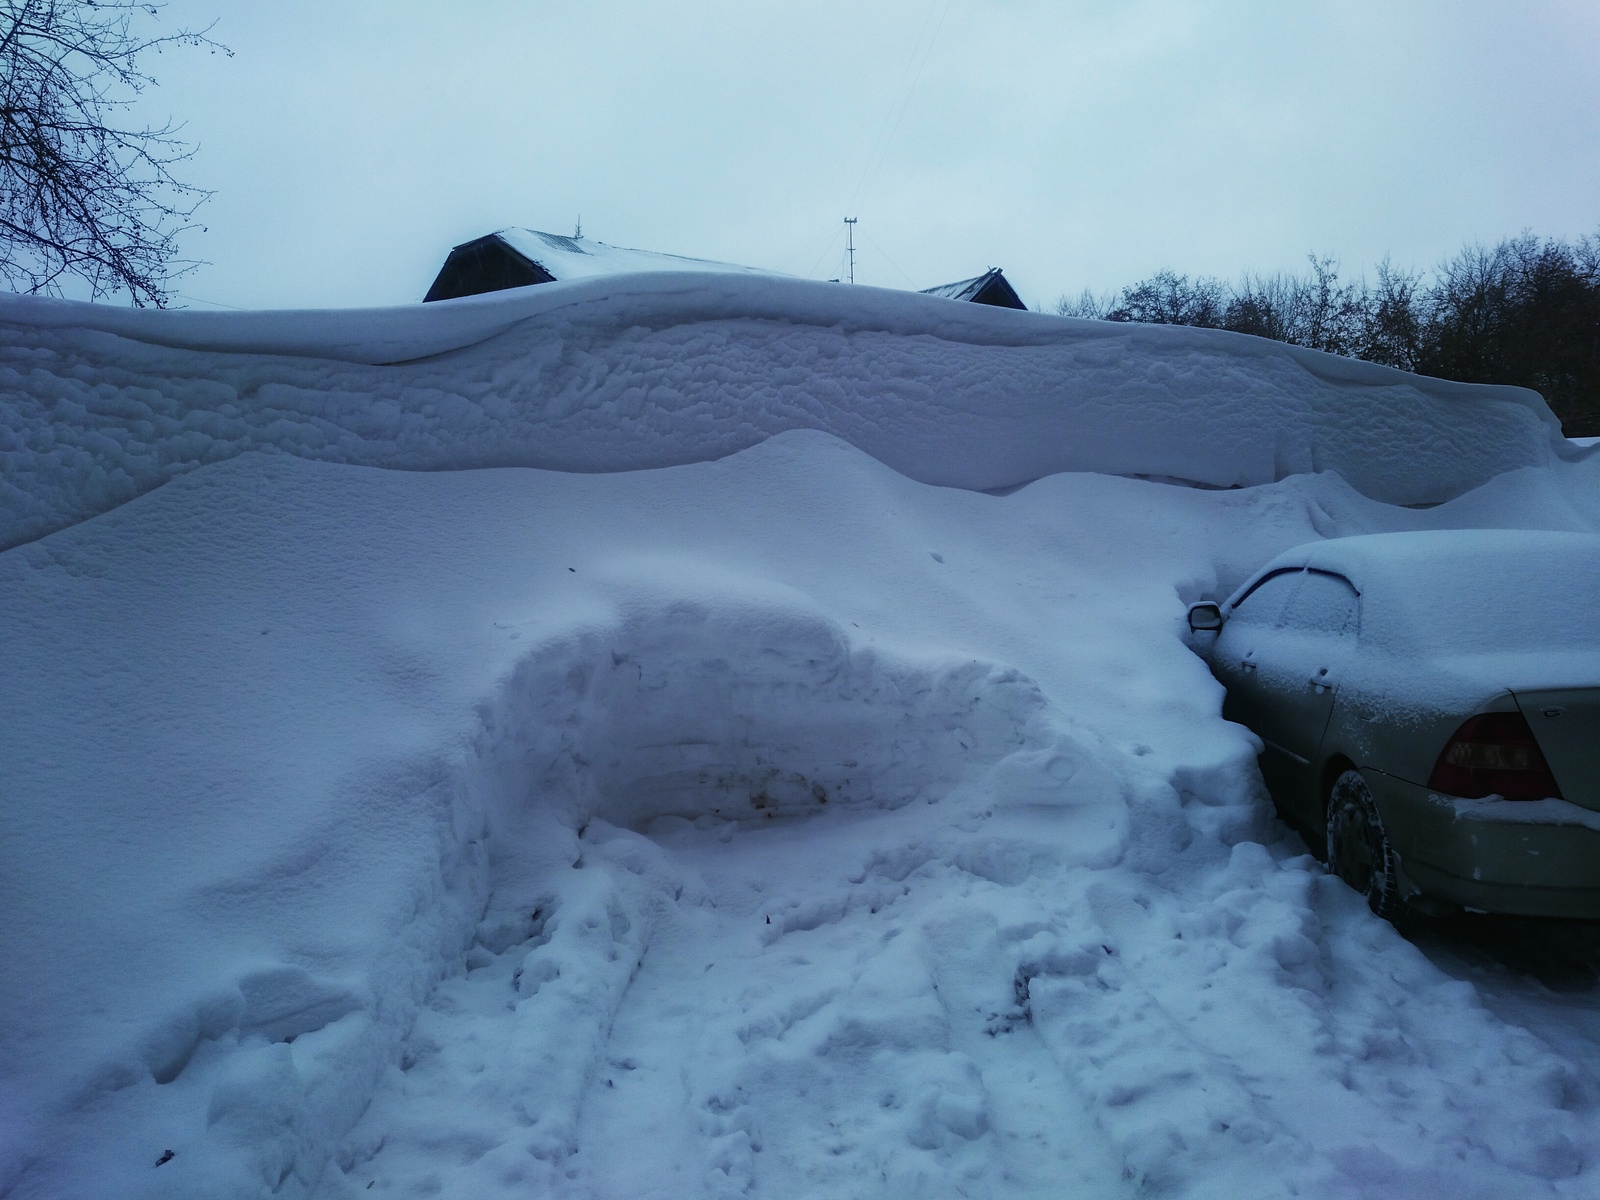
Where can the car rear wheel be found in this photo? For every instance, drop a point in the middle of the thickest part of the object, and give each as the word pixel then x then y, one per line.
pixel 1358 848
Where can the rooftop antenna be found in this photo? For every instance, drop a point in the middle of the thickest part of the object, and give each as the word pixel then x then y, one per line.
pixel 577 233
pixel 850 244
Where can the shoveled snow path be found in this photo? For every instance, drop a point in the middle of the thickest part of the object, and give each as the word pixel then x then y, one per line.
pixel 796 1029
pixel 815 1012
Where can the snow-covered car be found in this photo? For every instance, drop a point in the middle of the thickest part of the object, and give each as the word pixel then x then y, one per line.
pixel 1429 711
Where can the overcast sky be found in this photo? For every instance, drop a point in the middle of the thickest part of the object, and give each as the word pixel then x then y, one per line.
pixel 1076 144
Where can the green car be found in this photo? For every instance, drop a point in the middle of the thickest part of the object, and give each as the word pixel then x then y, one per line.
pixel 1428 706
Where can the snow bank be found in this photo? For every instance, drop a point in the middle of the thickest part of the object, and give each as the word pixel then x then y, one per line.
pixel 99 405
pixel 774 825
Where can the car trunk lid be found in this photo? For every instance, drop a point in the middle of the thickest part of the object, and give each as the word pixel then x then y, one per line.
pixel 1566 722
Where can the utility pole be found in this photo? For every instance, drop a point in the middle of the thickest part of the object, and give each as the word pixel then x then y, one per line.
pixel 850 244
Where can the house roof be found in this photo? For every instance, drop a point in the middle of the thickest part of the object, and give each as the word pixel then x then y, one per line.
pixel 989 288
pixel 584 258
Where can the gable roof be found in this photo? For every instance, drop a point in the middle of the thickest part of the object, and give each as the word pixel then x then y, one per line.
pixel 583 258
pixel 989 288
pixel 517 257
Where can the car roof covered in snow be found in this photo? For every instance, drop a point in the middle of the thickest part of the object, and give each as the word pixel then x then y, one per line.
pixel 1442 556
pixel 584 258
pixel 1464 590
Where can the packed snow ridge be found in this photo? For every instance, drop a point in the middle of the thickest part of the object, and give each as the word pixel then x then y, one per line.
pixel 99 405
pixel 749 803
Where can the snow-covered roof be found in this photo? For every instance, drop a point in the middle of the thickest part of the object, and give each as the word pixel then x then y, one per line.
pixel 584 258
pixel 989 288
pixel 962 289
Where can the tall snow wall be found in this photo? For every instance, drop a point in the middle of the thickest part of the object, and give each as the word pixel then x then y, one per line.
pixel 99 404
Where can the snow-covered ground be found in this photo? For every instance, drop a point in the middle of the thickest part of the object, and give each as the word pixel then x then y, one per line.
pixel 716 793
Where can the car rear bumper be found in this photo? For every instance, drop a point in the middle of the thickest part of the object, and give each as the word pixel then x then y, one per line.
pixel 1496 863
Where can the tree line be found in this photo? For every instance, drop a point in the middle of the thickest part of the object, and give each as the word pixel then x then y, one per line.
pixel 1525 312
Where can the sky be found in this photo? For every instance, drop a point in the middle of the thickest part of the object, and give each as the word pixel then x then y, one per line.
pixel 1074 143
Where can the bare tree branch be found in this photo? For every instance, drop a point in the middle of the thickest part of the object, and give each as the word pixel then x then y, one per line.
pixel 82 196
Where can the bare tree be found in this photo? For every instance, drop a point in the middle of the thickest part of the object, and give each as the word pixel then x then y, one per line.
pixel 1167 298
pixel 81 195
pixel 1086 305
pixel 1392 327
pixel 1525 312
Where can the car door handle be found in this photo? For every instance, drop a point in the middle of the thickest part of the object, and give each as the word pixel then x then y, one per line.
pixel 1246 665
pixel 1322 681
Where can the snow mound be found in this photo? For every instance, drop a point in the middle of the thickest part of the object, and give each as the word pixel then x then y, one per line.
pixel 708 710
pixel 99 405
pixel 797 827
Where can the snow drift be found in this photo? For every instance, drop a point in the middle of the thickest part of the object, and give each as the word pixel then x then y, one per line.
pixel 99 405
pixel 439 830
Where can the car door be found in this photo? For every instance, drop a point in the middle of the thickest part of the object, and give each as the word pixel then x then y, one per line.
pixel 1237 655
pixel 1294 660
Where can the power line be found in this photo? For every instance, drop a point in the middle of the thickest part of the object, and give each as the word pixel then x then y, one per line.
pixel 921 51
pixel 825 251
pixel 213 303
pixel 910 77
pixel 828 231
pixel 886 257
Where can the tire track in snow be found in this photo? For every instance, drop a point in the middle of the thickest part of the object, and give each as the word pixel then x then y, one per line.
pixel 850 1046
pixel 877 1004
pixel 855 1045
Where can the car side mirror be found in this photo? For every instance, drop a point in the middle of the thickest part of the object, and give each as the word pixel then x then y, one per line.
pixel 1204 617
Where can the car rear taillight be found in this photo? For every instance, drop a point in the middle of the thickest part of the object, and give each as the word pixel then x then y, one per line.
pixel 1494 754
